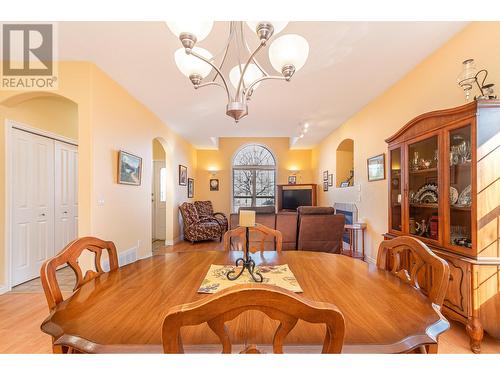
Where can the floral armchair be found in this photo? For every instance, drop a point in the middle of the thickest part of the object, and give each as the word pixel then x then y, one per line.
pixel 205 209
pixel 199 228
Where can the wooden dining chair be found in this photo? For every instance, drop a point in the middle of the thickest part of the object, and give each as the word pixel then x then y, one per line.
pixel 409 258
pixel 277 303
pixel 263 232
pixel 69 256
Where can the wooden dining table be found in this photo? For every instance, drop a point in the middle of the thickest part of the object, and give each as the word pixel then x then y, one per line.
pixel 122 311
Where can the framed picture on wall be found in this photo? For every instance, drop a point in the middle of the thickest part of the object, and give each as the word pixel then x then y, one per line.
pixel 325 185
pixel 190 185
pixel 330 180
pixel 376 167
pixel 325 175
pixel 292 180
pixel 183 173
pixel 129 168
pixel 214 184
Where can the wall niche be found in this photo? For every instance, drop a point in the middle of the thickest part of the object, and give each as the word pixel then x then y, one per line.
pixel 345 163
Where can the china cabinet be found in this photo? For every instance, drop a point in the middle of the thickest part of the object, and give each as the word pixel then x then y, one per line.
pixel 444 188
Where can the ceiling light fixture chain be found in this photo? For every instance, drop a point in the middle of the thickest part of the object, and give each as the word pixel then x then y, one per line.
pixel 287 54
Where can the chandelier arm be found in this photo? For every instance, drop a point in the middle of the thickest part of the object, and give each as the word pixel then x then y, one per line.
pixel 249 89
pixel 261 45
pixel 244 41
pixel 238 54
pixel 211 83
pixel 231 29
pixel 218 71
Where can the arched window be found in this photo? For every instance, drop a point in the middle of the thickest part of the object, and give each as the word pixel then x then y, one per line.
pixel 254 177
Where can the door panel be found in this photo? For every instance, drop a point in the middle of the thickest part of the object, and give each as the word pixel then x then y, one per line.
pixel 32 204
pixel 66 194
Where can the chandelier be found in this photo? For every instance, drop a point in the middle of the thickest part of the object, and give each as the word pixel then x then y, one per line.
pixel 287 54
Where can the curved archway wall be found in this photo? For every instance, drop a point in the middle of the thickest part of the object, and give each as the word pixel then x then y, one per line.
pixel 431 85
pixel 221 160
pixel 109 119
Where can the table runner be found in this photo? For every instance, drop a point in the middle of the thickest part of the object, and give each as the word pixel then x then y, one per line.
pixel 280 275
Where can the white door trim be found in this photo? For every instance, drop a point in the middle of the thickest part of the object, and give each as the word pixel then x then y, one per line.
pixel 9 125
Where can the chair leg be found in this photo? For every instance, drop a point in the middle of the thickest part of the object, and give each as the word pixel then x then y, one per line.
pixel 432 349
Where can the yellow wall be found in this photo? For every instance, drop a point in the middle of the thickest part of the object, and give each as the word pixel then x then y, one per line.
pixel 221 160
pixel 429 86
pixel 109 119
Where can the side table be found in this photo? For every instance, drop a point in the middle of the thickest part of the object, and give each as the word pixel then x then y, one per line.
pixel 353 230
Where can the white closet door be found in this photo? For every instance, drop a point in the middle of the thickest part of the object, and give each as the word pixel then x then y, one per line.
pixel 32 204
pixel 66 194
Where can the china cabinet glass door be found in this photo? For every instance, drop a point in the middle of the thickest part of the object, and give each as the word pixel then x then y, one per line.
pixel 395 189
pixel 460 186
pixel 423 189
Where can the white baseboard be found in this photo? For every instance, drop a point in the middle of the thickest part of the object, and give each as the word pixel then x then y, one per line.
pixel 4 289
pixel 146 256
pixel 173 242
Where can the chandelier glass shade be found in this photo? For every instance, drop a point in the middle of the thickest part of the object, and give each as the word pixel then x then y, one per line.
pixel 200 29
pixel 190 65
pixel 252 73
pixel 287 54
pixel 289 49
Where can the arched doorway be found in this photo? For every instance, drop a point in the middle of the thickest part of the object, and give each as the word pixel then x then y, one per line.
pixel 162 195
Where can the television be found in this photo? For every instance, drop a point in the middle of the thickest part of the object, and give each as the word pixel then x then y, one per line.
pixel 294 198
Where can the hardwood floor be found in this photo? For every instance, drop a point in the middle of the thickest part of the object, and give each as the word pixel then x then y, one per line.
pixel 25 310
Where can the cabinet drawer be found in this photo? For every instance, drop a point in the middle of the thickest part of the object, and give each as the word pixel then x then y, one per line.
pixel 458 295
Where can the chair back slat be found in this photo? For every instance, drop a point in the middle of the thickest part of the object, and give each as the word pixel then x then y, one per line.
pixel 69 255
pixel 407 257
pixel 277 303
pixel 264 233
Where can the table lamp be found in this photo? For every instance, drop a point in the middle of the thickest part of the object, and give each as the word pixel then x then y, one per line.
pixel 246 220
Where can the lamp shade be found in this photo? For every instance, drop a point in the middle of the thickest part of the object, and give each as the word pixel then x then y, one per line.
pixel 290 49
pixel 189 64
pixel 251 74
pixel 277 25
pixel 200 29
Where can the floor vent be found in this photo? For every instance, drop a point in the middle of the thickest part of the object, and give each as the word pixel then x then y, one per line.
pixel 124 258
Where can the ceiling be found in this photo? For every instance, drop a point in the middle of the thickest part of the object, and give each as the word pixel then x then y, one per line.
pixel 349 64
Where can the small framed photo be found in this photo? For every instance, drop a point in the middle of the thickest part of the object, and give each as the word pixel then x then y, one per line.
pixel 214 184
pixel 129 168
pixel 330 180
pixel 325 185
pixel 344 184
pixel 325 175
pixel 190 185
pixel 376 167
pixel 292 180
pixel 183 173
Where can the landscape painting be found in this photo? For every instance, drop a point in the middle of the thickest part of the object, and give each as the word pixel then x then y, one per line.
pixel 129 168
